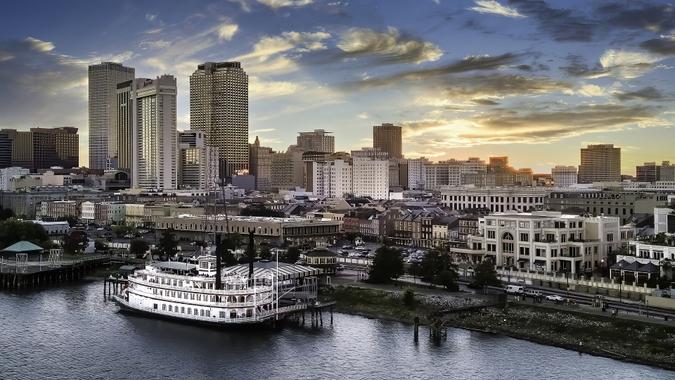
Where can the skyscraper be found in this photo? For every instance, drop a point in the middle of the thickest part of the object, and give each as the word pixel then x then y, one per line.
pixel 156 134
pixel 600 163
pixel 260 165
pixel 127 110
pixel 197 162
pixel 316 141
pixel 103 80
pixel 42 148
pixel 219 107
pixel 387 138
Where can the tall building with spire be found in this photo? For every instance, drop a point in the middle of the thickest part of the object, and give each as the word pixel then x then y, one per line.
pixel 103 80
pixel 219 107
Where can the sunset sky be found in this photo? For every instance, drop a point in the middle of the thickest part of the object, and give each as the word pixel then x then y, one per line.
pixel 531 79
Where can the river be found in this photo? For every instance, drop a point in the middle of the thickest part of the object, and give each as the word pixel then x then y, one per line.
pixel 70 333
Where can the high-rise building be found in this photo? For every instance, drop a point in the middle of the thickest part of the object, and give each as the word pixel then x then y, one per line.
pixel 287 169
pixel 260 165
pixel 564 176
pixel 387 138
pixel 198 162
pixel 331 178
pixel 156 134
pixel 219 107
pixel 103 80
pixel 417 173
pixel 370 173
pixel 600 163
pixel 316 141
pixel 126 123
pixel 648 172
pixel 666 171
pixel 5 149
pixel 43 148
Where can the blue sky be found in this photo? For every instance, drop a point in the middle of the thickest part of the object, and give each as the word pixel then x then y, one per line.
pixel 531 79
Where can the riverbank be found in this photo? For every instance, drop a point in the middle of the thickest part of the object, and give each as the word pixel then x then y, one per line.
pixel 631 341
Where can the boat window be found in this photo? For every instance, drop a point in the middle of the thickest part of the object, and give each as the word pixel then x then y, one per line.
pixel 164 307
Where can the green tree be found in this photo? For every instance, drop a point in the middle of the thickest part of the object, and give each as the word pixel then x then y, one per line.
pixel 75 242
pixel 264 252
pixel 122 229
pixel 138 248
pixel 485 275
pixel 387 264
pixel 100 245
pixel 13 230
pixel 437 268
pixel 6 213
pixel 409 298
pixel 230 243
pixel 291 255
pixel 167 245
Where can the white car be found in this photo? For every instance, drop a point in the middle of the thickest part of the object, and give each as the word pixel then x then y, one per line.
pixel 555 298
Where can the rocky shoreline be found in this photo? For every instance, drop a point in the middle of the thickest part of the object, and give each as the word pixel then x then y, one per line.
pixel 631 341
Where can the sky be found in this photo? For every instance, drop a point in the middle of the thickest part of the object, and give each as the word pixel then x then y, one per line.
pixel 531 79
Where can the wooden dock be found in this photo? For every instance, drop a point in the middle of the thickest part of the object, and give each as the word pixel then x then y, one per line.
pixel 33 274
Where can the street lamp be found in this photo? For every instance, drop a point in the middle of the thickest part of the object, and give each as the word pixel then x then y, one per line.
pixel 620 280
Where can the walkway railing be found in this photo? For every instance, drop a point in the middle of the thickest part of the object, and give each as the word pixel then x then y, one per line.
pixel 573 283
pixel 50 263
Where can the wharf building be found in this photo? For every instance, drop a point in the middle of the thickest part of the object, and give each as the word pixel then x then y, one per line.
pixel 294 230
pixel 219 108
pixel 103 117
pixel 546 241
pixel 494 199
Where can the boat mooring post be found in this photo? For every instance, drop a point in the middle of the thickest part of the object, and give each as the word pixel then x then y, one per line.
pixel 417 329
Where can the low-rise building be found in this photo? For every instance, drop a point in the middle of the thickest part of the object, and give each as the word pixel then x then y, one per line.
pixel 546 241
pixel 494 199
pixel 54 210
pixel 59 228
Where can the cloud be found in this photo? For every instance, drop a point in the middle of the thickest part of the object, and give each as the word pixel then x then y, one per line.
pixel 150 17
pixel 665 45
pixel 638 15
pixel 39 45
pixel 389 46
pixel 276 4
pixel 495 8
pixel 615 63
pixel 227 31
pixel 646 93
pixel 471 63
pixel 561 24
pixel 591 90
pixel 287 41
pixel 261 89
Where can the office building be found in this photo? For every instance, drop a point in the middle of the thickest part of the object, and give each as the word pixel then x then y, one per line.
pixel 316 141
pixel 198 162
pixel 156 130
pixel 387 138
pixel 5 149
pixel 103 80
pixel 332 178
pixel 260 165
pixel 219 108
pixel 43 148
pixel 600 163
pixel 564 176
pixel 287 169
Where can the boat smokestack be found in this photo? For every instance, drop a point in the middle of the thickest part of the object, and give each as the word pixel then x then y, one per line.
pixel 219 255
pixel 251 252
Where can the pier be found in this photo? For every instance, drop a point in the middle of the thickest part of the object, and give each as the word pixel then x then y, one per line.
pixel 24 274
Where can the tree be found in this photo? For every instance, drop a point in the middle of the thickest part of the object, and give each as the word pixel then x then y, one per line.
pixel 437 268
pixel 264 252
pixel 138 248
pixel 75 242
pixel 387 264
pixel 291 256
pixel 122 229
pixel 167 245
pixel 6 213
pixel 100 245
pixel 409 298
pixel 13 230
pixel 230 243
pixel 485 275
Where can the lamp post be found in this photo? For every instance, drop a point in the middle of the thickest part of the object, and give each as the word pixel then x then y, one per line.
pixel 620 280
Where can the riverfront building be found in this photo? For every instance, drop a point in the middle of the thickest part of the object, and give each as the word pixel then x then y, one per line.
pixel 546 241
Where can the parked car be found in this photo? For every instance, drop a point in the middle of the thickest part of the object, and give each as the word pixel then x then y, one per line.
pixel 514 290
pixel 532 293
pixel 339 267
pixel 555 298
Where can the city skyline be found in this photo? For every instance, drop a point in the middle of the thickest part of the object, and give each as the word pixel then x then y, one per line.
pixel 564 76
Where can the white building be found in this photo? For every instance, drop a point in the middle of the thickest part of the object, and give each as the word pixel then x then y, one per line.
pixel 564 176
pixel 494 199
pixel 8 173
pixel 546 241
pixel 370 173
pixel 661 220
pixel 87 211
pixel 417 173
pixel 54 228
pixel 332 179
pixel 156 130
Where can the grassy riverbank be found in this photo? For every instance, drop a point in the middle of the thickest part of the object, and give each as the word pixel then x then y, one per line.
pixel 633 341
